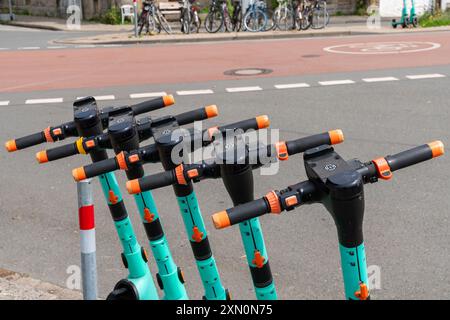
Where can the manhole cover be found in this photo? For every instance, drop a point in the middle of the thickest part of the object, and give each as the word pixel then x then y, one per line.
pixel 247 72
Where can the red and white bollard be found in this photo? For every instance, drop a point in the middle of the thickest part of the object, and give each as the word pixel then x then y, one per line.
pixel 87 240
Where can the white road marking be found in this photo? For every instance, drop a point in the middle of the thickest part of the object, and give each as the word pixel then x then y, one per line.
pixel 100 98
pixel 292 85
pixel 4 103
pixel 4 48
pixel 380 79
pixel 194 92
pixel 147 95
pixel 29 48
pixel 111 45
pixel 85 46
pixel 243 89
pixel 425 76
pixel 50 100
pixel 335 82
pixel 57 47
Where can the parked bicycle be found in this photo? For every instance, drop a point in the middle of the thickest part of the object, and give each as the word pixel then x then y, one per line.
pixel 152 19
pixel 255 18
pixel 189 18
pixel 312 14
pixel 236 18
pixel 218 17
pixel 283 16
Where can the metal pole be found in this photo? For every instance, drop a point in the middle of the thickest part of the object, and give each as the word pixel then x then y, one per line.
pixel 11 16
pixel 87 240
pixel 135 18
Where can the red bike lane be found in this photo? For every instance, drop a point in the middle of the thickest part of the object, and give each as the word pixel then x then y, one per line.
pixel 22 71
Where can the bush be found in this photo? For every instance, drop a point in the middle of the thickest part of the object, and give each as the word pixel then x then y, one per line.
pixel 112 16
pixel 435 20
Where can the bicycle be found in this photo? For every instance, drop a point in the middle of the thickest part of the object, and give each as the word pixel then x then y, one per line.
pixel 255 18
pixel 312 14
pixel 283 15
pixel 152 18
pixel 236 18
pixel 218 17
pixel 189 18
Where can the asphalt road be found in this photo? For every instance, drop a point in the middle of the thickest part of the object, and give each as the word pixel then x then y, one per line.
pixel 406 222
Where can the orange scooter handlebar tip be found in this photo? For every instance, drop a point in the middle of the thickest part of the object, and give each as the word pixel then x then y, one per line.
pixel 336 136
pixel 41 156
pixel 211 111
pixel 168 100
pixel 263 121
pixel 221 220
pixel 133 186
pixel 79 174
pixel 437 148
pixel 11 145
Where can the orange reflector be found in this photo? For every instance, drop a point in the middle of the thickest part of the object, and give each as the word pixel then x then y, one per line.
pixel 11 145
pixel 41 156
pixel 336 136
pixel 133 186
pixel 168 100
pixel 263 121
pixel 221 220
pixel 211 111
pixel 79 174
pixel 437 148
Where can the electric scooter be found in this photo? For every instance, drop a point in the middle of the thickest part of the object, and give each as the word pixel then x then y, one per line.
pixel 166 140
pixel 125 133
pixel 408 18
pixel 234 162
pixel 339 186
pixel 88 121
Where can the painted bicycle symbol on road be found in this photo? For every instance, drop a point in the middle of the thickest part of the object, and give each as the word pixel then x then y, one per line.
pixel 383 47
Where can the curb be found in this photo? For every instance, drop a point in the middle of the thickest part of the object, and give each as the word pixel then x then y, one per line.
pixel 20 286
pixel 224 38
pixel 32 26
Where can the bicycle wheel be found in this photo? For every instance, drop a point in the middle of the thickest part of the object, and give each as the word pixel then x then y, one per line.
pixel 319 18
pixel 163 23
pixel 214 21
pixel 283 19
pixel 304 19
pixel 255 20
pixel 227 22
pixel 237 21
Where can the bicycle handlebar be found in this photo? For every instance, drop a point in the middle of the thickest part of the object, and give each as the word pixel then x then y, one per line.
pixel 304 192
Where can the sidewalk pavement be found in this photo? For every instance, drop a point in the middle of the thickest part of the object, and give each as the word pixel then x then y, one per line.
pixel 124 34
pixel 17 286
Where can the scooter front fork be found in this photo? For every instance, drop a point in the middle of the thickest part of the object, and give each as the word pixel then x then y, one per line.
pixel 139 284
pixel 354 269
pixel 169 276
pixel 257 259
pixel 198 237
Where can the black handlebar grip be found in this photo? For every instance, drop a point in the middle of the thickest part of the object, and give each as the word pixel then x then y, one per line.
pixel 415 155
pixel 151 182
pixel 95 169
pixel 25 142
pixel 259 122
pixel 197 115
pixel 153 104
pixel 303 144
pixel 57 153
pixel 241 213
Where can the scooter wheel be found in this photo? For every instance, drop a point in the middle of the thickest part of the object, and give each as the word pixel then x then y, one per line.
pixel 227 294
pixel 159 280
pixel 415 22
pixel 124 260
pixel 180 275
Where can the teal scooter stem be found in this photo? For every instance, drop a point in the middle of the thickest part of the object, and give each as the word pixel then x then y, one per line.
pixel 124 137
